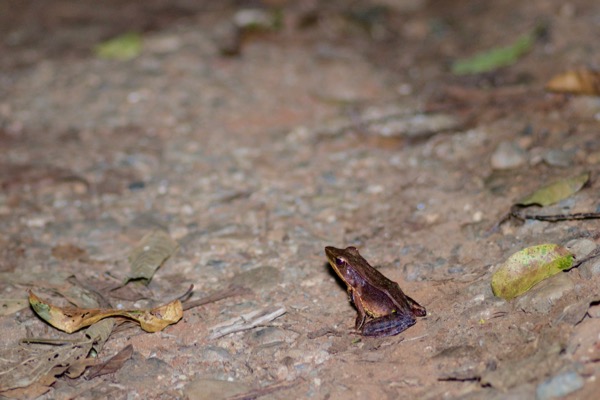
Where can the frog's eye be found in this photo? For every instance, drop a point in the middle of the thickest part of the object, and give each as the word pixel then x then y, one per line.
pixel 339 261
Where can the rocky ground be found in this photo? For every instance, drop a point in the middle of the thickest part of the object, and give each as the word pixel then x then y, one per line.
pixel 255 150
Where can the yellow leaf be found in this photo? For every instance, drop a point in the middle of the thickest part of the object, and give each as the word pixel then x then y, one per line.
pixel 583 81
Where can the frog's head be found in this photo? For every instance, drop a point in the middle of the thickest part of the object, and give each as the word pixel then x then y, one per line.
pixel 342 262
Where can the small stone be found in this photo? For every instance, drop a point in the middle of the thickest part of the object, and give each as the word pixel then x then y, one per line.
pixel 136 185
pixel 215 354
pixel 593 158
pixel 559 386
pixel 508 155
pixel 270 336
pixel 139 372
pixel 559 158
pixel 590 269
pixel 594 311
pixel 580 247
pixel 542 297
pixel 162 44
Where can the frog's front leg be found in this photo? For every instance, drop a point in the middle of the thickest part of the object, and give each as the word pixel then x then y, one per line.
pixel 362 314
pixel 388 325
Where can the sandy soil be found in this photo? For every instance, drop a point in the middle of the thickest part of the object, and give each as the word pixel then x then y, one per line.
pixel 342 127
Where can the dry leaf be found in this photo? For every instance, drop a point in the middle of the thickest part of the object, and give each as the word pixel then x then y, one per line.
pixel 68 252
pixel 77 294
pixel 71 319
pixel 40 279
pixel 77 369
pixel 100 332
pixel 149 254
pixel 556 191
pixel 9 306
pixel 32 391
pixel 45 366
pixel 111 365
pixel 582 81
pixel 526 268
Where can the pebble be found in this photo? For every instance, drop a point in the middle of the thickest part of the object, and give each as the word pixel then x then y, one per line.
pixel 580 247
pixel 270 335
pixel 590 269
pixel 139 372
pixel 559 385
pixel 508 155
pixel 594 311
pixel 544 295
pixel 215 354
pixel 559 158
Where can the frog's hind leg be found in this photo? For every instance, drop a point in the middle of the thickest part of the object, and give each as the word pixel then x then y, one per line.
pixel 388 325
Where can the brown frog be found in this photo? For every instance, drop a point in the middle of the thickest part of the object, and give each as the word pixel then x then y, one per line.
pixel 374 295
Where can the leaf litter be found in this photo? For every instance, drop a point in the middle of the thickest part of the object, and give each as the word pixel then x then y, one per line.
pixel 30 372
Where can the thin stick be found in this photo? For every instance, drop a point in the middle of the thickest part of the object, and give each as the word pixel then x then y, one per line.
pixel 220 295
pixel 556 217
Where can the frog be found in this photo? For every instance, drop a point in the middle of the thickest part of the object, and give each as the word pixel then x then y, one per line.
pixel 383 308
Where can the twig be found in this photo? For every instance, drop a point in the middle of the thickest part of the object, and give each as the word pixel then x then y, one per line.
pixel 518 213
pixel 246 321
pixel 220 295
pixel 556 217
pixel 54 342
pixel 186 296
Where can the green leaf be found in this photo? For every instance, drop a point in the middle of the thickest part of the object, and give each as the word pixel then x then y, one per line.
pixel 124 47
pixel 556 191
pixel 495 58
pixel 526 268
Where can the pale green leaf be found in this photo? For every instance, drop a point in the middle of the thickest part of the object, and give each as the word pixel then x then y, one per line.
pixel 526 268
pixel 495 58
pixel 556 191
pixel 124 47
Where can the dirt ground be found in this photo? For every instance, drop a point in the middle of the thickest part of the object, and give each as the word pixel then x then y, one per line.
pixel 255 149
